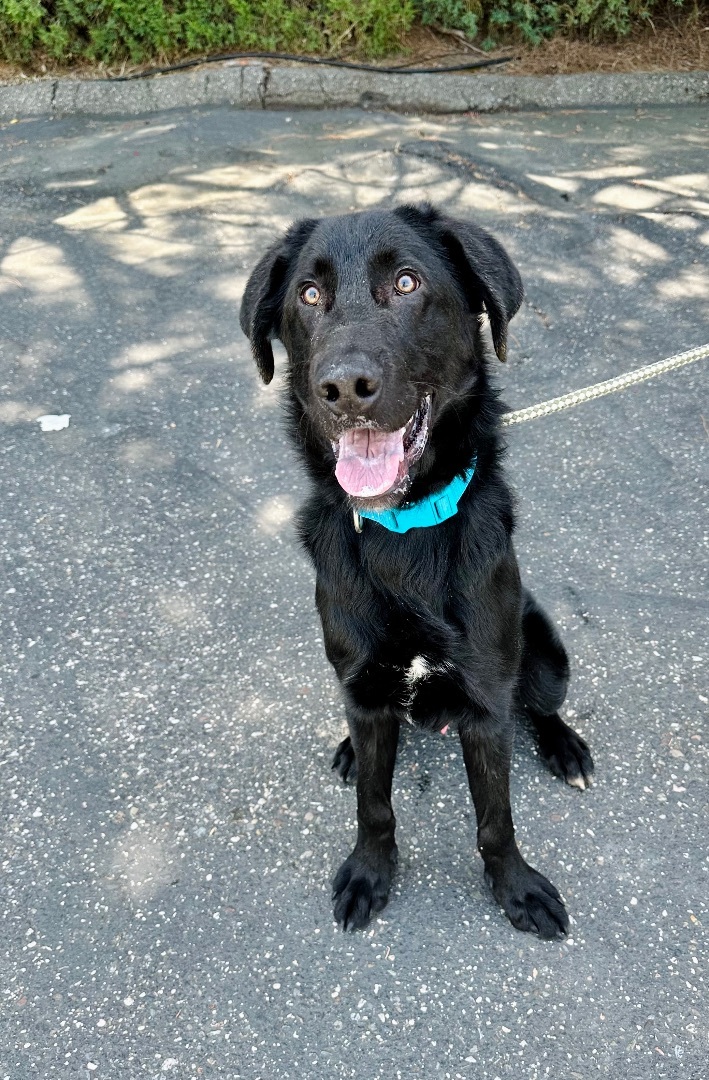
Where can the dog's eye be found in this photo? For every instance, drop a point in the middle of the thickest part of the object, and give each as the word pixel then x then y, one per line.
pixel 406 283
pixel 310 295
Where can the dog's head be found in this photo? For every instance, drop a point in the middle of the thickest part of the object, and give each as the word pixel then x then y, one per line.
pixel 380 316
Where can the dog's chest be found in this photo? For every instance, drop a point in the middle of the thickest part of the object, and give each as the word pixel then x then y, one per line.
pixel 431 693
pixel 419 665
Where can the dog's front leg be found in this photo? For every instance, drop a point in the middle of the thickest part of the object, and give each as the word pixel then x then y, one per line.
pixel 361 885
pixel 529 900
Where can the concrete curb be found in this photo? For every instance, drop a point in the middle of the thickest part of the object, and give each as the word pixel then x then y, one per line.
pixel 261 86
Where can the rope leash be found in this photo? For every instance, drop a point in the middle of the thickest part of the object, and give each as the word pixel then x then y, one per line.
pixel 577 397
pixel 620 382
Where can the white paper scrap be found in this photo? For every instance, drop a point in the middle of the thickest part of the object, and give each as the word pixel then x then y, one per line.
pixel 50 422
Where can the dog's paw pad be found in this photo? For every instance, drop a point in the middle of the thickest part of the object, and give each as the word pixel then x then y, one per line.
pixel 360 891
pixel 344 762
pixel 531 903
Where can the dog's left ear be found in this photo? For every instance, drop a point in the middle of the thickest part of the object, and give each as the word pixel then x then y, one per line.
pixel 485 271
pixel 262 303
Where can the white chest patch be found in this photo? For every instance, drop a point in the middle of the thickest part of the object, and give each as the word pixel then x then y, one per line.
pixel 418 670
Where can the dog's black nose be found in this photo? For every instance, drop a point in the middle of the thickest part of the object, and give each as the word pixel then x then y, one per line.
pixel 350 387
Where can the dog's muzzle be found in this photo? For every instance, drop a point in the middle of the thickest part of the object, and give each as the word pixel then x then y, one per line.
pixel 372 462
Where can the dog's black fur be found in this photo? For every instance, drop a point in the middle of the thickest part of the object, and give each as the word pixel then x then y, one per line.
pixel 366 354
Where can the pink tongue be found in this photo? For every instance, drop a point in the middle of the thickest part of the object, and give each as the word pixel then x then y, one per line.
pixel 368 461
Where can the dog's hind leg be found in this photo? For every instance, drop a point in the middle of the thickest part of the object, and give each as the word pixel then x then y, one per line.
pixel 344 762
pixel 541 690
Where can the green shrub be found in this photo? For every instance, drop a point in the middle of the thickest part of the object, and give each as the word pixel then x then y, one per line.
pixel 161 30
pixel 452 14
pixel 141 30
pixel 20 26
pixel 533 20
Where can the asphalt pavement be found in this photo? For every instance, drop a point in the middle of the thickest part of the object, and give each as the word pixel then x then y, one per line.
pixel 170 824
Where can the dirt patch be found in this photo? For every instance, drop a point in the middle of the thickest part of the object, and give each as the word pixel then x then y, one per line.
pixel 672 49
pixel 674 44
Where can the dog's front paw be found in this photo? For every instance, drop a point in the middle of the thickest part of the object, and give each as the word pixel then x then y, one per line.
pixel 530 901
pixel 361 888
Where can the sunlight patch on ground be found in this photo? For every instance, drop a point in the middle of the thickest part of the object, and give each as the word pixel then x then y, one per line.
pixel 374 132
pixel 156 199
pixel 147 352
pixel 141 864
pixel 608 172
pixel 679 222
pixel 439 192
pixel 134 379
pixel 690 284
pixel 556 183
pixel 348 191
pixel 274 513
pixel 179 609
pixel 146 453
pixel 240 177
pixel 147 132
pixel 628 152
pixel 630 245
pixel 628 197
pixel 689 184
pixel 562 273
pixel 163 258
pixel 40 267
pixel 12 411
pixel 103 214
pixel 230 287
pixel 58 185
pixel 270 397
pixel 622 274
pixel 481 196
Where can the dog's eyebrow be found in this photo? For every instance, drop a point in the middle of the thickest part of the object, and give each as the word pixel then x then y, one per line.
pixel 384 261
pixel 325 272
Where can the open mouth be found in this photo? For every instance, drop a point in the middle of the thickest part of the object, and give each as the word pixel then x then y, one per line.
pixel 371 462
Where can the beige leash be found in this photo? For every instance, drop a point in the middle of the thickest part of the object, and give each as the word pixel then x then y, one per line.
pixel 620 382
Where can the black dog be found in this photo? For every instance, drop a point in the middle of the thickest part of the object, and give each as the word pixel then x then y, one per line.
pixel 423 613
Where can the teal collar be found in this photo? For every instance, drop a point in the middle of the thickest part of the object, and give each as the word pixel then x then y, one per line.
pixel 420 515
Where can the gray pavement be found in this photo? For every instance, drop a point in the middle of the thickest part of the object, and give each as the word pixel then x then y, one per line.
pixel 169 820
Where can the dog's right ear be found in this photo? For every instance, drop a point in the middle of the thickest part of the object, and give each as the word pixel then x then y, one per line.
pixel 262 303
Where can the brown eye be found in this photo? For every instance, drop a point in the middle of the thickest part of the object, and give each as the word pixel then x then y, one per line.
pixel 310 295
pixel 406 283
